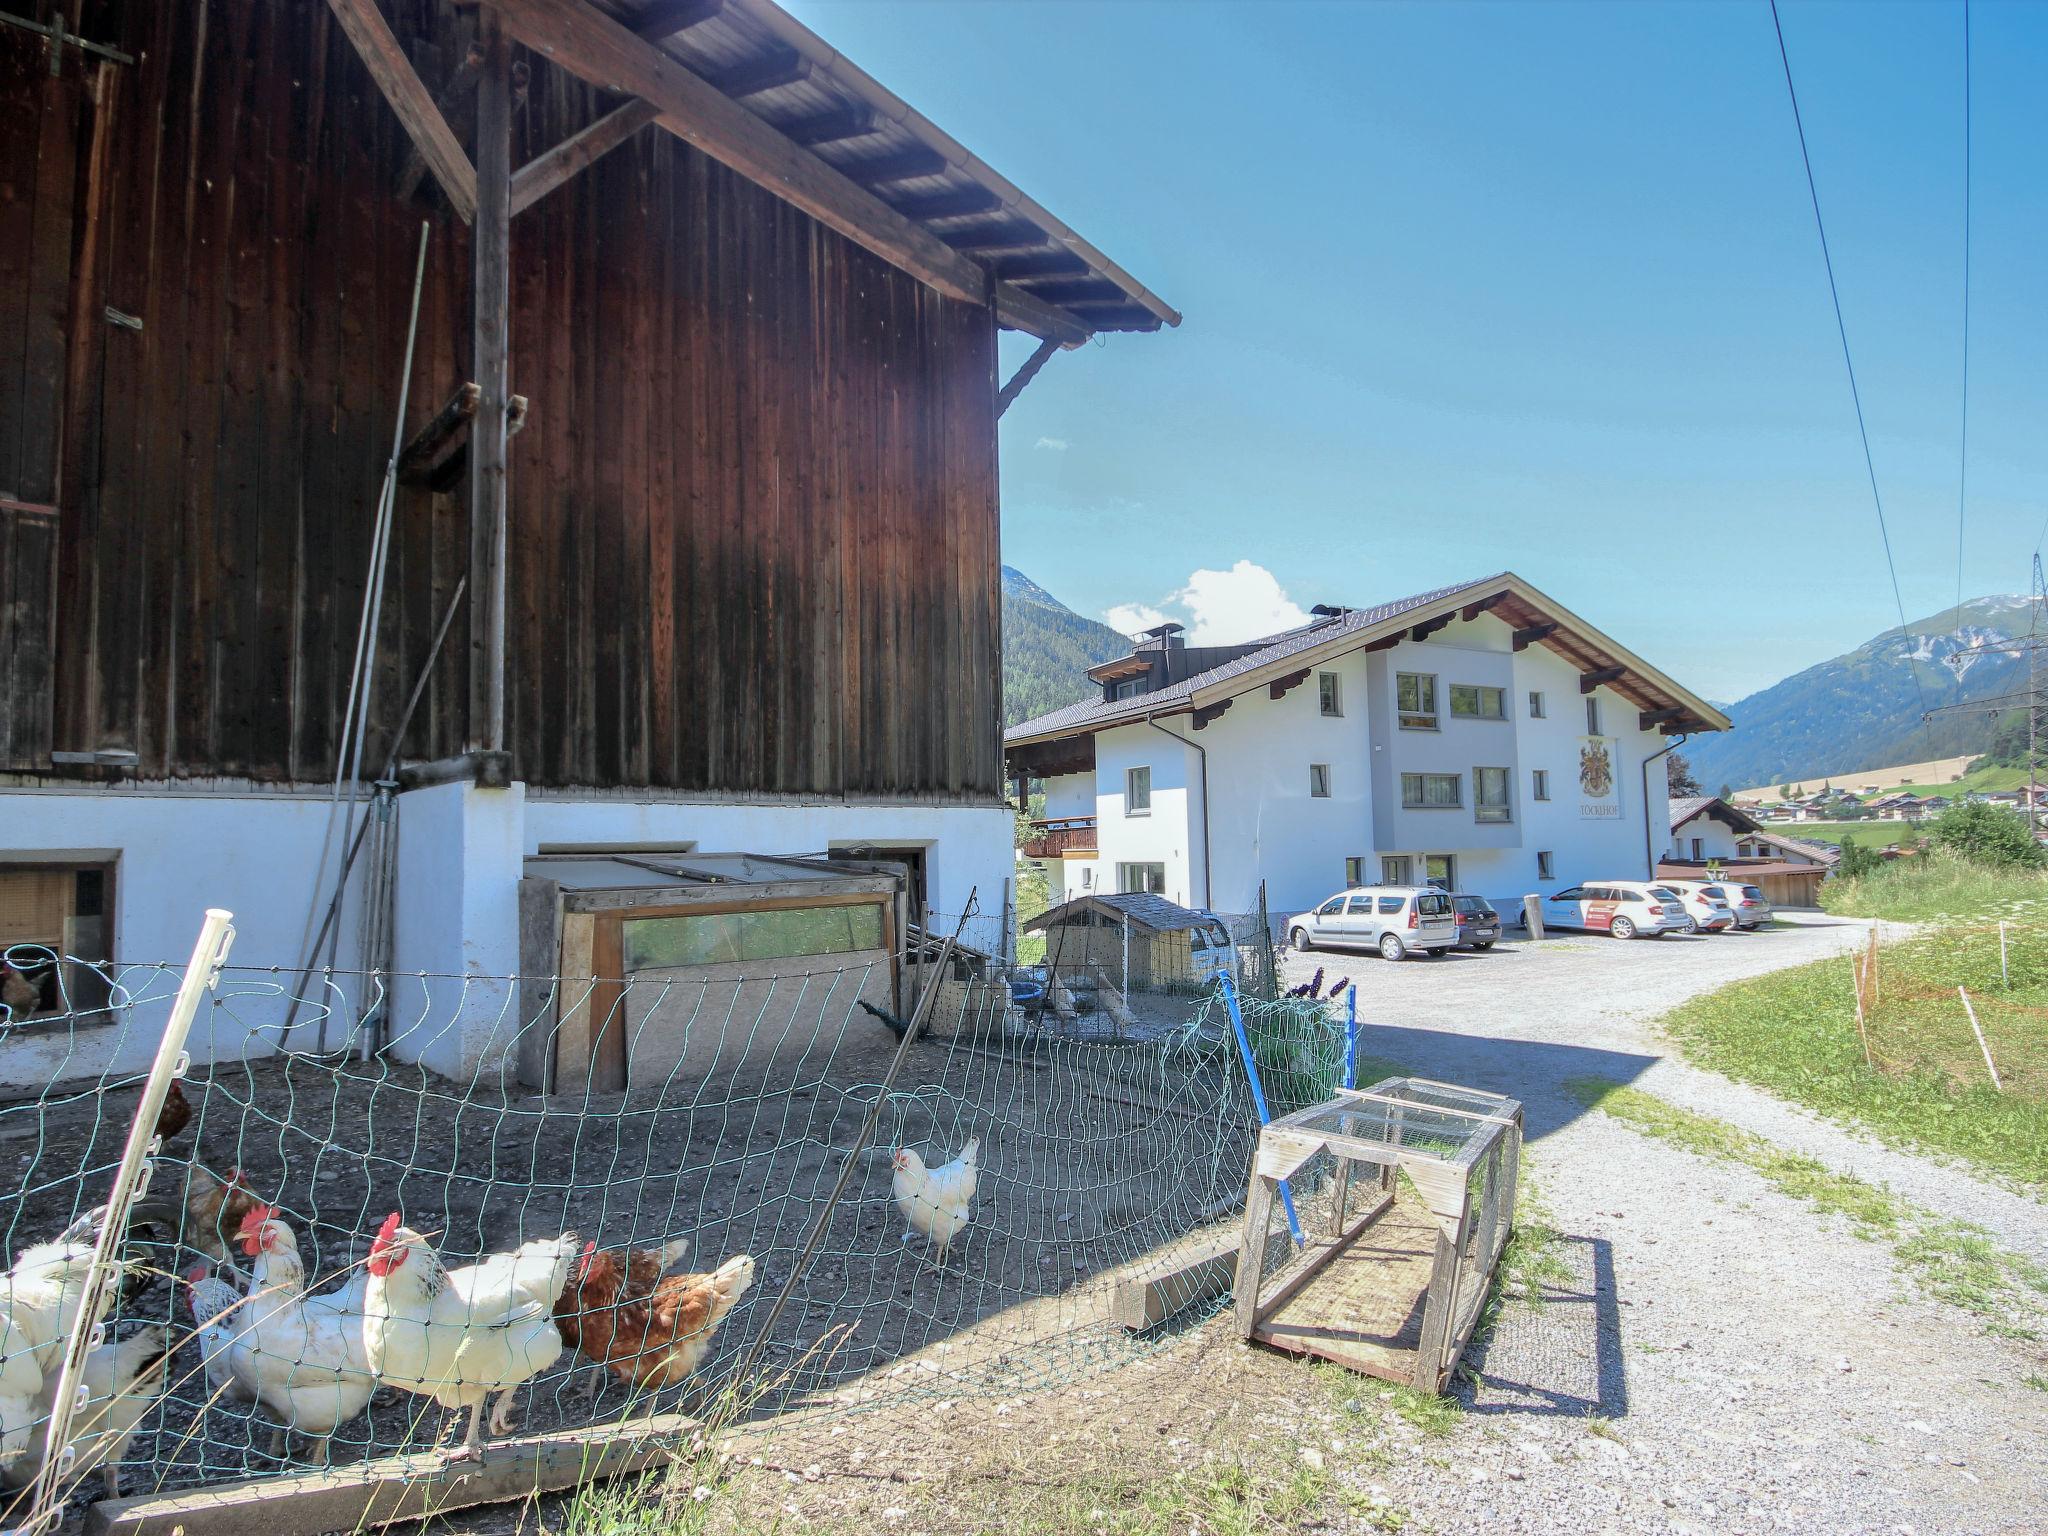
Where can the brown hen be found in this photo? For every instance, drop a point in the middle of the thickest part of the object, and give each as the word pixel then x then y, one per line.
pixel 647 1330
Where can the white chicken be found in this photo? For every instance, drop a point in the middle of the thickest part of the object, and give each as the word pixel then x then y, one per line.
pixel 123 1379
pixel 937 1202
pixel 304 1356
pixel 41 1298
pixel 458 1336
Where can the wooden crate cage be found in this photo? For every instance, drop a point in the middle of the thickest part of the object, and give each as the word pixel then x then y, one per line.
pixel 1396 1289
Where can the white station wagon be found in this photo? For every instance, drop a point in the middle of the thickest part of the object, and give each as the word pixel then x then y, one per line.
pixel 1397 920
pixel 1622 909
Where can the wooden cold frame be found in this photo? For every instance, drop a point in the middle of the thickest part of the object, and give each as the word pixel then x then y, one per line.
pixel 1395 1292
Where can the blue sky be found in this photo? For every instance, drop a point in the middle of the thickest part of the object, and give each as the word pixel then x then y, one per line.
pixel 1527 285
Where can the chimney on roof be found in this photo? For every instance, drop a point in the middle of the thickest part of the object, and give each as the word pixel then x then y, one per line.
pixel 1164 637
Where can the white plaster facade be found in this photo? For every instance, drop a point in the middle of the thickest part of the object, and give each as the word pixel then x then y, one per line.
pixel 1265 824
pixel 178 851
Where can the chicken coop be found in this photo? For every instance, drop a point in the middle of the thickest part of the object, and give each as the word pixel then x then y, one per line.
pixel 650 964
pixel 1393 1289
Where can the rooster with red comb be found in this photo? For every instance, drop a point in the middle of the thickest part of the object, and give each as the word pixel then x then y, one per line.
pixel 466 1335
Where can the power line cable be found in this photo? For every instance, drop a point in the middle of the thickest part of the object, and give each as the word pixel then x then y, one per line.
pixel 1848 362
pixel 1963 451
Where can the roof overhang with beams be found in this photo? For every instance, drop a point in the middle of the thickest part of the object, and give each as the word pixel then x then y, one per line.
pixel 1663 704
pixel 751 86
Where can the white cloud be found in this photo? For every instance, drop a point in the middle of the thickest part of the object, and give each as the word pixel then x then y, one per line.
pixel 1133 618
pixel 1056 444
pixel 1229 607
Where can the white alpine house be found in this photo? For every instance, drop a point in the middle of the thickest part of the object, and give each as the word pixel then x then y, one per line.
pixel 1480 735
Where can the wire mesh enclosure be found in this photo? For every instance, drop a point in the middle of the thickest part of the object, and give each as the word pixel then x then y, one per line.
pixel 1395 1289
pixel 689 1215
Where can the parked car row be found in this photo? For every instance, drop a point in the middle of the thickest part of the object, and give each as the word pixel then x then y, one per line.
pixel 1404 920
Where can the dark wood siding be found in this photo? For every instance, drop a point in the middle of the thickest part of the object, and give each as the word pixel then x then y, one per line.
pixel 754 532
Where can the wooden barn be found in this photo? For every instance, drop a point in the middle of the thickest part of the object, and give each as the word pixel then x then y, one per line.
pixel 691 535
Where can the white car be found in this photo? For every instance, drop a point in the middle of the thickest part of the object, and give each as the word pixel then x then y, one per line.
pixel 1707 909
pixel 1751 907
pixel 1397 920
pixel 1622 909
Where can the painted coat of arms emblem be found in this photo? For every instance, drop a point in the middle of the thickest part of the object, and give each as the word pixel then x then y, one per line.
pixel 1596 769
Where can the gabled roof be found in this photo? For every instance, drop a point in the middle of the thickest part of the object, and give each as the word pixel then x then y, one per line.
pixel 1142 908
pixel 1824 853
pixel 1686 808
pixel 1536 618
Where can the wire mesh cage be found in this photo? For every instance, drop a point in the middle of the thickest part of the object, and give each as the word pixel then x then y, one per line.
pixel 275 1173
pixel 1395 1288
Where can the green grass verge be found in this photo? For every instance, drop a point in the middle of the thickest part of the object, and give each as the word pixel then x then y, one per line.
pixel 1950 1260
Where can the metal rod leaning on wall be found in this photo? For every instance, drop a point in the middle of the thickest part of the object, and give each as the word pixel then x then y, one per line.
pixel 202 971
pixel 867 1129
pixel 412 704
pixel 1351 1036
pixel 1251 1071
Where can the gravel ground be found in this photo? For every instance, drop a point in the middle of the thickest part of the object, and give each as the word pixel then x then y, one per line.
pixel 1727 1359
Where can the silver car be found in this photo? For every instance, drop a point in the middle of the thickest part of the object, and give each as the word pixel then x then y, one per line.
pixel 1397 920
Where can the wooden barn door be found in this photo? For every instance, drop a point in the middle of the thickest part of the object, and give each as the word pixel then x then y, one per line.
pixel 57 104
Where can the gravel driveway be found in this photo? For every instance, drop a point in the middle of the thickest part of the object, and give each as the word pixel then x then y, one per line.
pixel 1747 1364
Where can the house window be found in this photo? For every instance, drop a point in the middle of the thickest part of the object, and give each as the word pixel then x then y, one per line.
pixel 1141 879
pixel 1490 794
pixel 1543 869
pixel 1329 694
pixel 1539 784
pixel 1397 869
pixel 50 911
pixel 1087 877
pixel 1128 690
pixel 1319 781
pixel 1471 702
pixel 1440 869
pixel 1431 792
pixel 1415 700
pixel 1535 705
pixel 1354 873
pixel 1592 715
pixel 1699 848
pixel 1137 791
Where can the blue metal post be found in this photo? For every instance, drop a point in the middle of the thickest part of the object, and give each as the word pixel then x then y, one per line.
pixel 1351 1036
pixel 1251 1071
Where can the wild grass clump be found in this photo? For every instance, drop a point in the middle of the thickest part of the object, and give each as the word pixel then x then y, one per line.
pixel 1940 886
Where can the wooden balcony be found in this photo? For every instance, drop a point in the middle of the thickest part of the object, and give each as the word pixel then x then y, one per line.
pixel 1061 837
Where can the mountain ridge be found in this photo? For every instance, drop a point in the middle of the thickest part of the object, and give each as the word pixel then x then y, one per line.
pixel 1047 650
pixel 1861 710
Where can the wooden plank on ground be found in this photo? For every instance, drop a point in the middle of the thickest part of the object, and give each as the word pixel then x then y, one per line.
pixel 395 1488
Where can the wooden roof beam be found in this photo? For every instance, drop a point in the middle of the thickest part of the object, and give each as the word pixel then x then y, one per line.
pixel 906 165
pixel 1650 718
pixel 1472 611
pixel 830 127
pixel 1280 687
pixel 1524 638
pixel 953 203
pixel 770 72
pixel 545 172
pixel 665 18
pixel 1588 681
pixel 371 37
pixel 1429 627
pixel 1026 372
pixel 1209 712
pixel 591 45
pixel 1028 265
